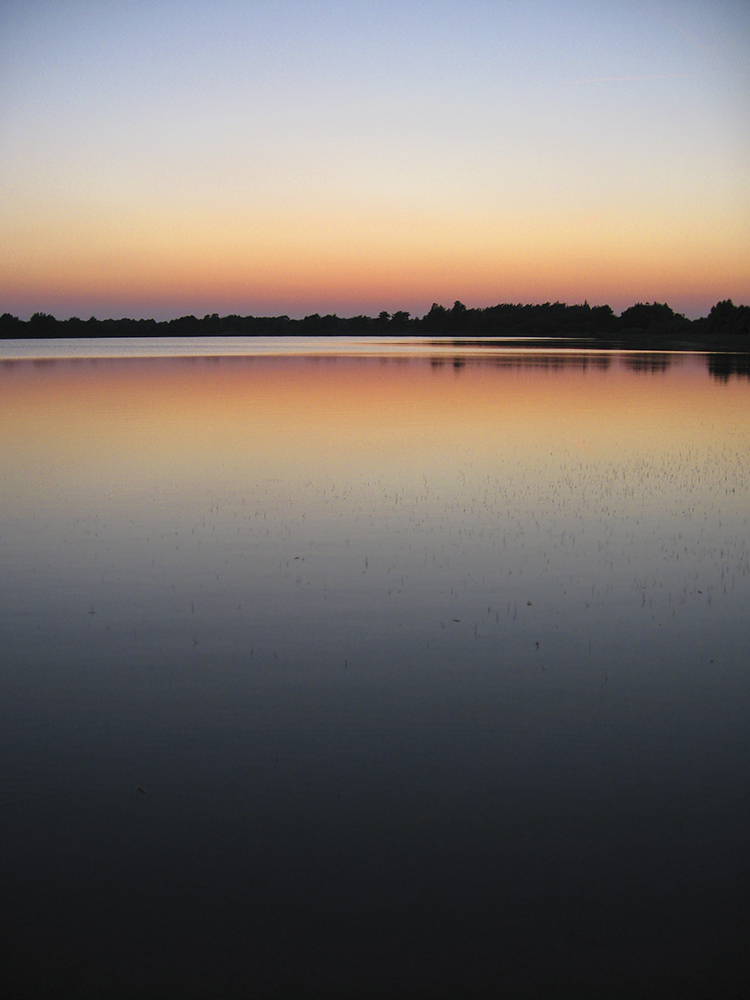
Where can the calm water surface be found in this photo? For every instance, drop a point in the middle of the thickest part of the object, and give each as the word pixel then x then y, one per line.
pixel 432 662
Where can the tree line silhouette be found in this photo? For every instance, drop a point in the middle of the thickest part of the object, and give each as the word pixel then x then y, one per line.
pixel 642 321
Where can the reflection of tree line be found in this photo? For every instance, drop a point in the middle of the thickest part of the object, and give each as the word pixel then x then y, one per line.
pixel 721 366
pixel 651 364
pixel 650 321
pixel 540 361
pixel 532 360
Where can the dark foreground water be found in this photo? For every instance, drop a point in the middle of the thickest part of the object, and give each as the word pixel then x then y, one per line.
pixel 433 666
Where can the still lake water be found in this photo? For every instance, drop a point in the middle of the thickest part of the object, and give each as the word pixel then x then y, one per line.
pixel 433 663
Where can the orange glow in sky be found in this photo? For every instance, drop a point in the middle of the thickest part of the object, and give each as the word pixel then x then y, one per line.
pixel 160 162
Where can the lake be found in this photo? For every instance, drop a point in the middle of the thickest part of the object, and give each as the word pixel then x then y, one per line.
pixel 373 669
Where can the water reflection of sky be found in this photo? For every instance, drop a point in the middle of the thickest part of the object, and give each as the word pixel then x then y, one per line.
pixel 408 655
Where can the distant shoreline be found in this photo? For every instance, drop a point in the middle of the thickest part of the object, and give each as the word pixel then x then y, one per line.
pixel 649 326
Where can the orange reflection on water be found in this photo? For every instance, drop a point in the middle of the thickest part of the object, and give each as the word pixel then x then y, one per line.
pixel 68 427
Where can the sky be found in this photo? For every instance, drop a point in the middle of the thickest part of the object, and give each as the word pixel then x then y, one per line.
pixel 161 159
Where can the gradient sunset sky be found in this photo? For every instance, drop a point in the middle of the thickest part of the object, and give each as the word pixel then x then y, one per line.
pixel 159 159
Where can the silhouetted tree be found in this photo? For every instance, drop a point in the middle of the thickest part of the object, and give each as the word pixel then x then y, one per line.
pixel 42 325
pixel 642 316
pixel 11 327
pixel 727 319
pixel 330 323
